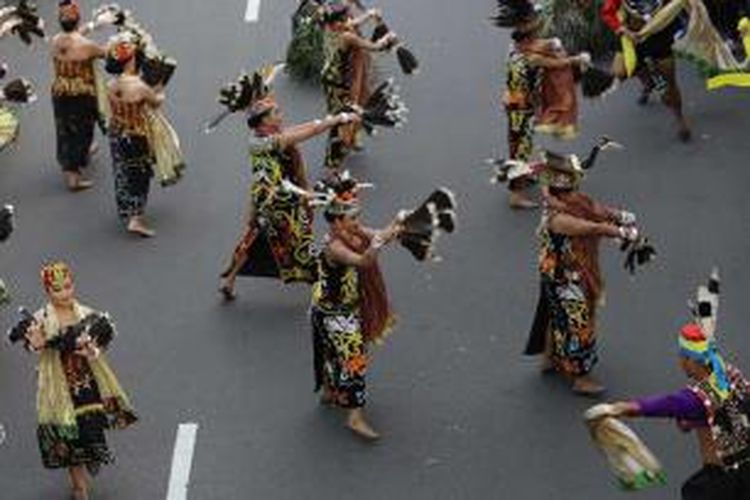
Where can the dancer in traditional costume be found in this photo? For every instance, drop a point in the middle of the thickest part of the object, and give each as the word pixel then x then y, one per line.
pixel 654 57
pixel 715 405
pixel 540 86
pixel 702 44
pixel 79 397
pixel 278 237
pixel 130 99
pixel 571 288
pixel 156 70
pixel 350 306
pixel 345 75
pixel 305 55
pixel 76 92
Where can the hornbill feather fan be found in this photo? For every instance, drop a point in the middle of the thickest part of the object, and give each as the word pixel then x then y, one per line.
pixel 422 225
pixel 19 90
pixel 31 23
pixel 420 248
pixel 384 108
pixel 596 82
pixel 406 58
pixel 638 253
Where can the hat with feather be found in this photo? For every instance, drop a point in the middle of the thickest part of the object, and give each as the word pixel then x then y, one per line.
pixel 567 171
pixel 251 92
pixel 697 339
pixel 338 194
pixel 560 171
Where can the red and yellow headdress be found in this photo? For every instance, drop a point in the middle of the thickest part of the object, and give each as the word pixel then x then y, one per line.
pixel 696 345
pixel 54 275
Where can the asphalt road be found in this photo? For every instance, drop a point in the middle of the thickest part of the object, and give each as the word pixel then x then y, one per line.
pixel 463 415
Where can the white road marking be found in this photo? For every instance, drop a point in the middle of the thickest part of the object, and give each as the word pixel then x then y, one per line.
pixel 253 9
pixel 182 461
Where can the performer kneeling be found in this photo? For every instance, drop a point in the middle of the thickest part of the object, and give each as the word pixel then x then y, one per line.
pixel 79 397
pixel 349 305
pixel 278 239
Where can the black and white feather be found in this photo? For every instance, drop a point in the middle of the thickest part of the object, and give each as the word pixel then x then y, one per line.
pixel 597 82
pixel 27 22
pixel 603 144
pixel 504 170
pixel 240 94
pixel 407 61
pixel 638 253
pixel 384 108
pixel 19 91
pixel 423 225
pixel 705 306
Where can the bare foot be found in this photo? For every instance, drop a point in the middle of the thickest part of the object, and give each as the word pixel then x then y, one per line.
pixel 356 423
pixel 137 226
pixel 227 291
pixel 684 134
pixel 546 366
pixel 587 386
pixel 520 201
pixel 76 182
pixel 327 399
pixel 79 494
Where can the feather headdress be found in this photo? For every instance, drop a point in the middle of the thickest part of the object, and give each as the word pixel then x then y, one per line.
pixel 247 91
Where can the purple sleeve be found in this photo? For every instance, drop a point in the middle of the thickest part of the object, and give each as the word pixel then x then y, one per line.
pixel 680 405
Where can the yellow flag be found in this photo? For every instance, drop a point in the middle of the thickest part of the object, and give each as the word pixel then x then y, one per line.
pixel 628 54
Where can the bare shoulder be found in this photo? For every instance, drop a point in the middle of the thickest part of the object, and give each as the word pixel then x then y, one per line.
pixel 59 41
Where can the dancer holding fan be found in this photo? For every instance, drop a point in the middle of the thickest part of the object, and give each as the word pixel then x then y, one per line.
pixel 540 84
pixel 571 285
pixel 79 397
pixel 350 307
pixel 132 153
pixel 345 74
pixel 278 237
